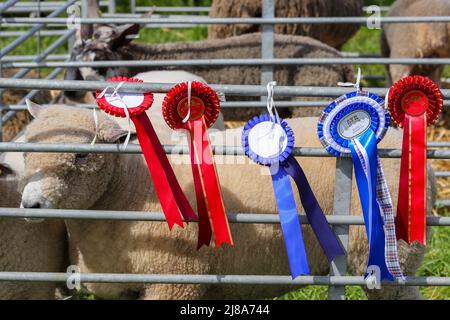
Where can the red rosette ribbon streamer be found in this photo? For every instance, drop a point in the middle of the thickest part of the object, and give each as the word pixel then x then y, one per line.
pixel 122 104
pixel 415 102
pixel 194 106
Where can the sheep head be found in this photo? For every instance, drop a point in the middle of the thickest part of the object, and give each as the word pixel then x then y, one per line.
pixel 67 180
pixel 100 43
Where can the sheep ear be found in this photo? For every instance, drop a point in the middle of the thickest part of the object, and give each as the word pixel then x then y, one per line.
pixel 34 108
pixel 111 134
pixel 87 30
pixel 126 33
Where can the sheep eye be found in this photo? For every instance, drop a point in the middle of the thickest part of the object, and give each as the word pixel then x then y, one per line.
pixel 79 156
pixel 5 170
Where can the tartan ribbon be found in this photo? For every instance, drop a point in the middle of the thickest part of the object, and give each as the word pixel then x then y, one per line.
pixel 387 208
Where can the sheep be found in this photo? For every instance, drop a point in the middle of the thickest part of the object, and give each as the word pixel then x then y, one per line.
pixel 332 34
pixel 114 43
pixel 26 246
pixel 101 181
pixel 419 40
pixel 42 246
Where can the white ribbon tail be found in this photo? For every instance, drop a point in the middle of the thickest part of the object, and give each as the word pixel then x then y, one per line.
pixel 188 115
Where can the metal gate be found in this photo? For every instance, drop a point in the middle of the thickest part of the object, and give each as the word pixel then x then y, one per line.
pixel 341 219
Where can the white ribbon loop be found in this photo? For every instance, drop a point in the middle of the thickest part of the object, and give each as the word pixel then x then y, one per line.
pixel 115 94
pixel 357 85
pixel 270 103
pixel 188 115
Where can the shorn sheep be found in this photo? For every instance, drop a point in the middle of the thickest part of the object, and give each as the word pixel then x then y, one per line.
pixel 104 43
pixel 334 35
pixel 24 246
pixel 418 40
pixel 102 181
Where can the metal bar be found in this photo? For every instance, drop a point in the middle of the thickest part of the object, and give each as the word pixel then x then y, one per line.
pixel 297 20
pixel 231 62
pixel 443 203
pixel 442 174
pixel 173 9
pixel 30 95
pixel 232 90
pixel 39 58
pixel 267 40
pixel 241 104
pixel 260 218
pixel 10 47
pixel 6 5
pixel 341 207
pixel 55 45
pixel 30 57
pixel 46 33
pixel 61 32
pixel 112 6
pixel 214 279
pixel 440 144
pixel 171 149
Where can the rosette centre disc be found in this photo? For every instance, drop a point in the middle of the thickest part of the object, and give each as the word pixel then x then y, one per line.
pixel 268 139
pixel 414 103
pixel 125 99
pixel 197 108
pixel 354 124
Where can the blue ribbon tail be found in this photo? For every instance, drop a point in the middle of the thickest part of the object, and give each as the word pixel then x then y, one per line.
pixel 365 161
pixel 325 235
pixel 290 223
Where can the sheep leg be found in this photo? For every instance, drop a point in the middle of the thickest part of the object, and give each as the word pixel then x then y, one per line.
pixel 411 257
pixel 173 292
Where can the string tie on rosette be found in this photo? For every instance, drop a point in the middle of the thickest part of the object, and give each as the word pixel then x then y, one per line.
pixel 354 124
pixel 268 140
pixel 133 104
pixel 194 107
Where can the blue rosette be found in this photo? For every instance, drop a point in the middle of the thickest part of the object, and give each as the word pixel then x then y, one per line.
pixel 354 124
pixel 269 141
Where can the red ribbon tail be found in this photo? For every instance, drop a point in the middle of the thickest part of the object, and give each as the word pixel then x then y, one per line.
pixel 174 203
pixel 210 183
pixel 411 207
pixel 204 226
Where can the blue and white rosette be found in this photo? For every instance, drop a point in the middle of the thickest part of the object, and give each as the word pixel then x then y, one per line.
pixel 354 124
pixel 269 141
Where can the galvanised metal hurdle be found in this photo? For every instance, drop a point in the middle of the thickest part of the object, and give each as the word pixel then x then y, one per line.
pixel 340 219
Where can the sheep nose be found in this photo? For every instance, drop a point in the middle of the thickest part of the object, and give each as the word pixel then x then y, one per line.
pixel 31 204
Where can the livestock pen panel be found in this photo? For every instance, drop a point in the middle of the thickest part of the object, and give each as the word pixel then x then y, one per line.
pixel 50 20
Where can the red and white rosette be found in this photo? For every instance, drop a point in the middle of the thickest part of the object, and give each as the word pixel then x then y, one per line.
pixel 415 102
pixel 194 106
pixel 133 104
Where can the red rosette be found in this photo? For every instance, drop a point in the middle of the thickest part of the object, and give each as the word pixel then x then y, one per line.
pixel 174 203
pixel 203 112
pixel 415 95
pixel 118 111
pixel 204 102
pixel 415 102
